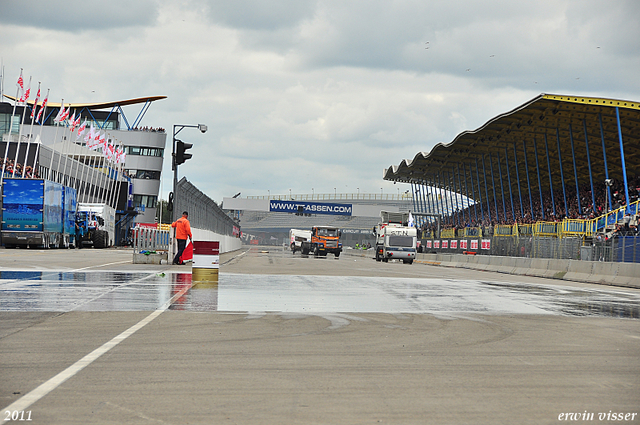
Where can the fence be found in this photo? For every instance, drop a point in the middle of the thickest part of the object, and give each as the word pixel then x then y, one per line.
pixel 204 213
pixel 150 239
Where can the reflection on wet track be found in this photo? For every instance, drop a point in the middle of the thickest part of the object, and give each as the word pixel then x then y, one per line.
pixel 114 291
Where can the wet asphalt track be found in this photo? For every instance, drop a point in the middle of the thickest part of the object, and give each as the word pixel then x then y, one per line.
pixel 267 302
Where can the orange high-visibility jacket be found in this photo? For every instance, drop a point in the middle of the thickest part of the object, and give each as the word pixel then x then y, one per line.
pixel 183 228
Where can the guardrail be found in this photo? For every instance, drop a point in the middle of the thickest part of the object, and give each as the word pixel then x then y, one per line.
pixel 150 239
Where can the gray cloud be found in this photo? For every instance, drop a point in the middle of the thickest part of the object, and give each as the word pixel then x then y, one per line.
pixel 76 15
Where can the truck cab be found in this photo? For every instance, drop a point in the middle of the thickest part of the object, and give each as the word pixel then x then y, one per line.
pixel 324 240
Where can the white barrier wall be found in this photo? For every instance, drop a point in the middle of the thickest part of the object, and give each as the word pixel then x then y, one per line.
pixel 227 243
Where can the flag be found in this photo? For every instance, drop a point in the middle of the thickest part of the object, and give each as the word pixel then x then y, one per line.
pixel 20 84
pixel 82 128
pixel 76 123
pixel 410 223
pixel 61 114
pixel 44 105
pixel 26 93
pixel 35 103
pixel 88 138
pixel 72 121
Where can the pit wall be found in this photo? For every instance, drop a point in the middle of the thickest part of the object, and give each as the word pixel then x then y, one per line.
pixel 604 273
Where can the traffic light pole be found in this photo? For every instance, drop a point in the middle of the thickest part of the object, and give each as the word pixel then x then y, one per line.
pixel 177 128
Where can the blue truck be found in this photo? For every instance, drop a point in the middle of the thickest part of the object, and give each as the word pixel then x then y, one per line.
pixel 37 212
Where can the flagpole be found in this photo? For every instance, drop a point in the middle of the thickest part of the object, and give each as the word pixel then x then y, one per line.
pixel 55 137
pixel 24 109
pixel 6 149
pixel 33 116
pixel 66 157
pixel 35 158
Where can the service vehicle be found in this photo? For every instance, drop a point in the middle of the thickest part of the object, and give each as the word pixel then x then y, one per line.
pixel 395 237
pixel 324 240
pixel 296 237
pixel 98 223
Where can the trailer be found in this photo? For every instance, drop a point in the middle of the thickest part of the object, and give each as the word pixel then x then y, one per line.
pixel 37 212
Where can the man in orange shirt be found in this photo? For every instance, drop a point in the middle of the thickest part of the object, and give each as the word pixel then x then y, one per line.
pixel 183 230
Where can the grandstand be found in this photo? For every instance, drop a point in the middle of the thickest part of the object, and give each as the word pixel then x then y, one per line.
pixel 556 167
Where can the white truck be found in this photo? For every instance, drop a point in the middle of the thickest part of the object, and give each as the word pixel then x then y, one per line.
pixel 395 239
pixel 297 237
pixel 99 222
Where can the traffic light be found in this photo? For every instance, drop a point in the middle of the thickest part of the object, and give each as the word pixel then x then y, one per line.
pixel 181 147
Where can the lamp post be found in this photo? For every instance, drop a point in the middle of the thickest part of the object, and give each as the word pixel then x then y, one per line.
pixel 177 128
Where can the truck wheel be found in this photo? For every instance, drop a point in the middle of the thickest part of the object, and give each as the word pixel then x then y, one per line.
pixel 385 260
pixel 337 254
pixel 98 239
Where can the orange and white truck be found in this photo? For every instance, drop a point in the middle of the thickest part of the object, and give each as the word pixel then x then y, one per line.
pixel 324 240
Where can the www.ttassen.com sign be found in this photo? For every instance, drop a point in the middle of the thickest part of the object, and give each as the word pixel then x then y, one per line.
pixel 310 207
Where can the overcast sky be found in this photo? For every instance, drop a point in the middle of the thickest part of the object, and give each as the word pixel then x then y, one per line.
pixel 317 95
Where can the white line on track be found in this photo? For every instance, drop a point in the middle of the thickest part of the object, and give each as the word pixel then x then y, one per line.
pixel 28 399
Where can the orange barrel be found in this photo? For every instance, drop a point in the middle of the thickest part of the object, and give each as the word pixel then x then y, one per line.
pixel 206 262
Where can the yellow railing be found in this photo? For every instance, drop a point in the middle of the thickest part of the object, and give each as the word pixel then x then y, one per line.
pixel 524 229
pixel 545 228
pixel 448 233
pixel 473 232
pixel 503 230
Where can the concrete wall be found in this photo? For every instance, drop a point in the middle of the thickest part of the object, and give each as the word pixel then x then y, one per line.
pixel 618 274
pixel 227 243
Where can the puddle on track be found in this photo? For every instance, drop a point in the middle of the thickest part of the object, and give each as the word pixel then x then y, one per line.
pixel 119 291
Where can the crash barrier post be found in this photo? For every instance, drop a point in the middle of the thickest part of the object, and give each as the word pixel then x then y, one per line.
pixel 206 262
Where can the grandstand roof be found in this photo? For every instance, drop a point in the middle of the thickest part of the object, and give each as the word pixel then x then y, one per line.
pixel 100 105
pixel 547 120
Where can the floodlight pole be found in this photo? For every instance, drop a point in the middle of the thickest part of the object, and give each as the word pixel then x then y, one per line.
pixel 177 128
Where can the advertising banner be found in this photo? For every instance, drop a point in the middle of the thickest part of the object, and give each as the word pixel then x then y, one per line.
pixel 474 244
pixel 454 244
pixel 310 207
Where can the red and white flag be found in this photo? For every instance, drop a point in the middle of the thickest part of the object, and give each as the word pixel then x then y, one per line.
pixel 20 84
pixel 72 121
pixel 27 92
pixel 82 128
pixel 89 138
pixel 62 114
pixel 44 105
pixel 35 103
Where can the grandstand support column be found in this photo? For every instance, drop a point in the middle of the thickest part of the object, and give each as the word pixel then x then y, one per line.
pixel 473 193
pixel 553 201
pixel 504 206
pixel 437 184
pixel 455 191
pixel 564 192
pixel 575 169
pixel 486 189
pixel 479 190
pixel 506 160
pixel 606 167
pixel 526 169
pixel 586 142
pixel 413 194
pixel 535 151
pixel 445 201
pixel 466 196
pixel 466 189
pixel 454 208
pixel 624 168
pixel 493 184
pixel 515 159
